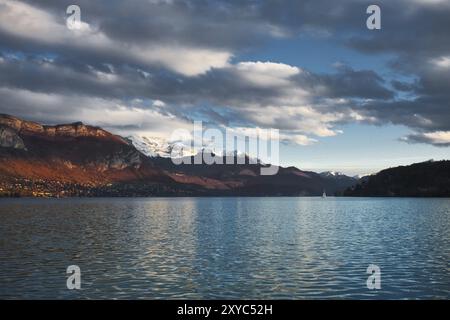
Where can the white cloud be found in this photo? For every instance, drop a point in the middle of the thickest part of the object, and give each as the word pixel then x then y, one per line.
pixel 296 119
pixel 158 103
pixel 125 120
pixel 442 62
pixel 29 22
pixel 21 19
pixel 438 137
pixel 299 139
pixel 112 114
pixel 184 60
pixel 266 74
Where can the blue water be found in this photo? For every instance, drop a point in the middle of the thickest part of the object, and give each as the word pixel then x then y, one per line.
pixel 232 248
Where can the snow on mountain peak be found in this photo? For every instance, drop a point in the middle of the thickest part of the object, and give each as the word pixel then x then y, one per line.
pixel 331 174
pixel 160 147
pixel 151 147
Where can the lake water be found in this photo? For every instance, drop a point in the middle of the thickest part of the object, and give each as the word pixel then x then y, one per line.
pixel 231 248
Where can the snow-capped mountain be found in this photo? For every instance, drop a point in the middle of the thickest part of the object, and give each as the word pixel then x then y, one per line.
pixel 50 154
pixel 151 147
pixel 337 175
pixel 160 147
pixel 329 174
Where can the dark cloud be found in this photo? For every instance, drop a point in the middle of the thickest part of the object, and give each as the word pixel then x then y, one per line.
pixel 215 96
pixel 428 139
pixel 348 83
pixel 403 86
pixel 186 54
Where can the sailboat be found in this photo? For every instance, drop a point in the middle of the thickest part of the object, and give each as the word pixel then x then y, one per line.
pixel 324 195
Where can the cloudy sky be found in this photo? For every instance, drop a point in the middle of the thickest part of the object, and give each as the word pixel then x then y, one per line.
pixel 343 97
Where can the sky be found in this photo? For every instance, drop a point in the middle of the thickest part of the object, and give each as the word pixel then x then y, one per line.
pixel 345 98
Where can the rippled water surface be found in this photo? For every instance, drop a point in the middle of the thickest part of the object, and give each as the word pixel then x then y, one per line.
pixel 252 248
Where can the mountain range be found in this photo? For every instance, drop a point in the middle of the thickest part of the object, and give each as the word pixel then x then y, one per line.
pixel 81 160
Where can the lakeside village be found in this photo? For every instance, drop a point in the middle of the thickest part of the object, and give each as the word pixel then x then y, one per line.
pixel 43 188
pixel 39 188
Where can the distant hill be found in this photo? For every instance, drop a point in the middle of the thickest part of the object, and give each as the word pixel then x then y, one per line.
pixel 425 179
pixel 340 180
pixel 81 160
